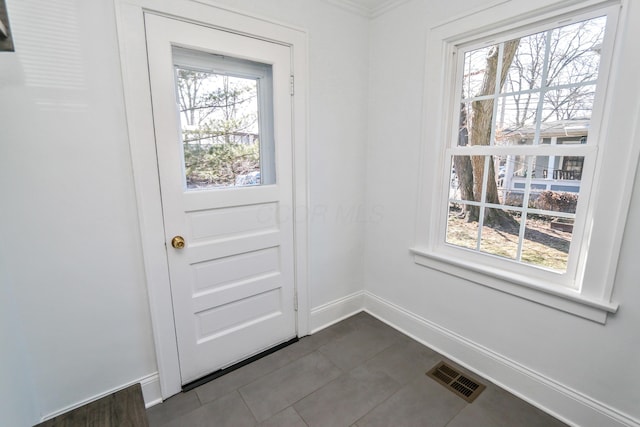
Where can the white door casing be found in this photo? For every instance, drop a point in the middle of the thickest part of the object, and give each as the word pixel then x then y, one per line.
pixel 130 19
pixel 233 283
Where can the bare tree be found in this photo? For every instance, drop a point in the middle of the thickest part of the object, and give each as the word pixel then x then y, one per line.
pixel 573 59
pixel 219 116
pixel 566 58
pixel 480 134
pixel 216 111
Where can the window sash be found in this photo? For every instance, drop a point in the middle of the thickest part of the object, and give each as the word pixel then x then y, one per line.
pixel 570 279
pixel 464 46
pixel 591 297
pixel 565 278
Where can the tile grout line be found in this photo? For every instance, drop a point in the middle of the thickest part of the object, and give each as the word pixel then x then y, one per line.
pixel 342 373
pixel 459 412
pixel 308 394
pixel 324 385
pixel 247 406
pixel 197 396
pixel 401 386
pixel 299 414
pixel 363 361
pixel 260 376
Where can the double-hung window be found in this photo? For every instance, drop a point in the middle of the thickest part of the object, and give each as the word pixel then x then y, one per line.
pixel 521 131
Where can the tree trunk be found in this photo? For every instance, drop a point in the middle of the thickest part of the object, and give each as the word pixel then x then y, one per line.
pixel 464 172
pixel 464 169
pixel 481 128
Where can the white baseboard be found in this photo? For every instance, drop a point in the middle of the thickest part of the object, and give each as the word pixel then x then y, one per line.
pixel 564 403
pixel 335 311
pixel 150 391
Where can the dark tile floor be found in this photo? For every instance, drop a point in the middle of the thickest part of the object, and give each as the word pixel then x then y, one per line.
pixel 359 372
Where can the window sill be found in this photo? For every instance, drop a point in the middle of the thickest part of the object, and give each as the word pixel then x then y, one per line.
pixel 563 299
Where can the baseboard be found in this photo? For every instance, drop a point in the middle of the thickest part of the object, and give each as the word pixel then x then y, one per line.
pixel 564 403
pixel 150 391
pixel 335 311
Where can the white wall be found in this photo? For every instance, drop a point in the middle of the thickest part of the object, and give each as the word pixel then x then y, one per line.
pixel 68 218
pixel 338 84
pixel 72 263
pixel 599 361
pixel 17 405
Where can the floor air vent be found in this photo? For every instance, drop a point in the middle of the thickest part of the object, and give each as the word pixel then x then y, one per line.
pixel 456 381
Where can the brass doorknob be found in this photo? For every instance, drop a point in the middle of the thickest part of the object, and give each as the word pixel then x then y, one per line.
pixel 177 242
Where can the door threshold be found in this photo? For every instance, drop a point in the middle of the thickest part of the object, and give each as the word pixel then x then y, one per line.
pixel 217 374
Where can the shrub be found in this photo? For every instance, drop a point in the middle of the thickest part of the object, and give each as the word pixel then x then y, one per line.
pixel 557 201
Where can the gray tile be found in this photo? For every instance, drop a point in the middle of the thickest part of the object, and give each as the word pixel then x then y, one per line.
pixel 294 351
pixel 229 410
pixel 347 398
pixel 359 317
pixel 422 402
pixel 251 372
pixel 360 345
pixel 335 331
pixel 226 384
pixel 472 415
pixel 287 418
pixel 498 408
pixel 384 365
pixel 279 389
pixel 364 318
pixel 322 337
pixel 172 408
pixel 405 361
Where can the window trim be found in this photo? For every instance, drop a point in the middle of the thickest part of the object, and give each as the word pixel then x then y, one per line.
pixel 592 297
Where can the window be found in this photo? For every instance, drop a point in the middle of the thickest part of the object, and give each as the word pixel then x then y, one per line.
pixel 523 140
pixel 518 99
pixel 226 120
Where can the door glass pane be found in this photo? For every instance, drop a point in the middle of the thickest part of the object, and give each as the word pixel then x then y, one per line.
pixel 225 132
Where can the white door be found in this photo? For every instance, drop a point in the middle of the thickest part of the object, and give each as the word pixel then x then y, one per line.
pixel 222 116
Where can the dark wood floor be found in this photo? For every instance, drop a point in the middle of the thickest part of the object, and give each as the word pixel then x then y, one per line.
pixel 124 408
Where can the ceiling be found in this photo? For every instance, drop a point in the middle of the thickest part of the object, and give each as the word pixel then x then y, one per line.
pixel 367 8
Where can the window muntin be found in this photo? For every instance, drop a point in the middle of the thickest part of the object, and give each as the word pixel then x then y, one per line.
pixel 524 145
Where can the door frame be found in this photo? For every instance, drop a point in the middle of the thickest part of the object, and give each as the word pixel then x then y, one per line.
pixel 139 114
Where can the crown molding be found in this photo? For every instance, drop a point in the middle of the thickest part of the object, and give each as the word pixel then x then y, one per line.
pixel 363 9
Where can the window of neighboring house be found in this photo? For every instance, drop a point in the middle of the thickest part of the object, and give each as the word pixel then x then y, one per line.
pixel 573 165
pixel 524 136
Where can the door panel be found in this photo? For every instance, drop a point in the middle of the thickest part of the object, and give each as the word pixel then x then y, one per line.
pixel 222 272
pixel 227 222
pixel 232 284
